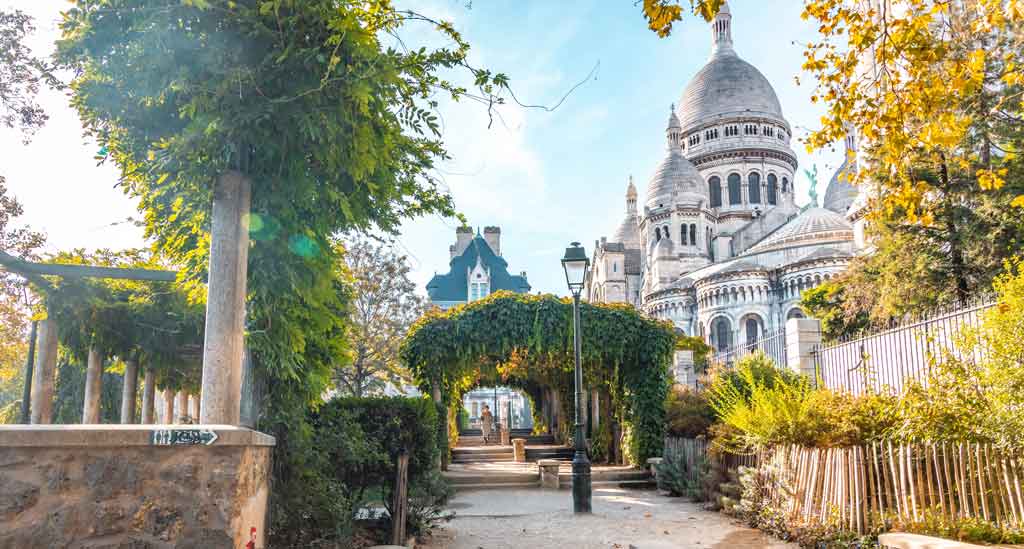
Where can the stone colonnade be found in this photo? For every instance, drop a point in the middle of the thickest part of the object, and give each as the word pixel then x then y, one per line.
pixel 219 401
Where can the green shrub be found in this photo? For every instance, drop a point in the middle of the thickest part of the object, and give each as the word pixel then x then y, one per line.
pixel 678 477
pixel 688 414
pixel 358 442
pixel 389 427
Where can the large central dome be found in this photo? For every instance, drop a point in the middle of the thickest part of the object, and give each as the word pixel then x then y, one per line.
pixel 726 87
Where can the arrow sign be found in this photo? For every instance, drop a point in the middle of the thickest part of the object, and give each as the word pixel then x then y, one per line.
pixel 183 437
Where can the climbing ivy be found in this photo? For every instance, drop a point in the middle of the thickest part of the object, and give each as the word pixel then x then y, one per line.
pixel 525 341
pixel 153 322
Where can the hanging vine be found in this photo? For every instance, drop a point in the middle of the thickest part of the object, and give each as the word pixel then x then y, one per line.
pixel 525 341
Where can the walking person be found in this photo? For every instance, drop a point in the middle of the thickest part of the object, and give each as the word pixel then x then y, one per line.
pixel 486 423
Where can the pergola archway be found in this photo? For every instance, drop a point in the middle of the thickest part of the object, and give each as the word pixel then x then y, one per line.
pixel 525 341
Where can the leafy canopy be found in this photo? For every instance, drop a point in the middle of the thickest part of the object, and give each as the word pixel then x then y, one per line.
pixel 522 339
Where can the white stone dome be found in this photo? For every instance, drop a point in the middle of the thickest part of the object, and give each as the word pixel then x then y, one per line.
pixel 675 174
pixel 813 225
pixel 628 233
pixel 840 193
pixel 728 87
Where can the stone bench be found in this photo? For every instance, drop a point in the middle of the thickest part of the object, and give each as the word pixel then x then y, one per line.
pixel 549 473
pixel 899 540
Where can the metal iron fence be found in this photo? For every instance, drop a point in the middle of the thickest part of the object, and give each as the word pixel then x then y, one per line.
pixel 883 362
pixel 773 344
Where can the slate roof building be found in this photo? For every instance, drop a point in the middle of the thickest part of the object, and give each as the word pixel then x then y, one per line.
pixel 720 247
pixel 476 270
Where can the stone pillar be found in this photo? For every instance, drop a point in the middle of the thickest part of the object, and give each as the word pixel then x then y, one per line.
pixel 803 336
pixel 225 302
pixel 194 401
pixel 181 407
pixel 519 450
pixel 168 409
pixel 683 370
pixel 93 387
pixel 42 375
pixel 148 396
pixel 442 460
pixel 130 391
pixel 595 411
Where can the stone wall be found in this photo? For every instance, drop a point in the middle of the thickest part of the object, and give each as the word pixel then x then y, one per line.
pixel 111 487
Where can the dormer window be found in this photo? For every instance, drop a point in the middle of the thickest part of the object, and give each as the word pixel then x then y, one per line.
pixel 478 290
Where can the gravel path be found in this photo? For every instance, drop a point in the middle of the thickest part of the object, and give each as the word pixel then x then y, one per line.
pixel 642 519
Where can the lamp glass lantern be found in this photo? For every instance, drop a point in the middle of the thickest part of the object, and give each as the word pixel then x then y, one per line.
pixel 575 264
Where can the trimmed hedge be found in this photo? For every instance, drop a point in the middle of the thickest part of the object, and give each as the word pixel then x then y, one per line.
pixel 361 438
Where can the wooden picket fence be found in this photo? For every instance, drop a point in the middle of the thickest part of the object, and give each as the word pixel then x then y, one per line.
pixel 860 485
pixel 695 452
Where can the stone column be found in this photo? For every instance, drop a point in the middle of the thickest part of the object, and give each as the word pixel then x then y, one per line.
pixel 42 375
pixel 168 408
pixel 595 411
pixel 93 387
pixel 182 407
pixel 148 397
pixel 803 336
pixel 130 391
pixel 194 401
pixel 225 302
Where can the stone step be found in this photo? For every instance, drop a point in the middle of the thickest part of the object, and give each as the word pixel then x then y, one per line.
pixel 482 450
pixel 608 476
pixel 496 485
pixel 493 478
pixel 597 484
pixel 503 459
pixel 516 433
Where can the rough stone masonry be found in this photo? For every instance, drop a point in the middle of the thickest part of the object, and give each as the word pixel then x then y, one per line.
pixel 112 487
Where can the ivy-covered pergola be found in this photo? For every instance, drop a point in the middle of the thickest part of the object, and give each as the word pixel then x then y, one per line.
pixel 525 341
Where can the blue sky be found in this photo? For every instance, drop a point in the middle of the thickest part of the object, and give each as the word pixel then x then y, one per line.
pixel 546 178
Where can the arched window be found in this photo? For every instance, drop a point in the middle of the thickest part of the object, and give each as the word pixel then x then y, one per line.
pixel 720 334
pixel 615 267
pixel 795 313
pixel 682 234
pixel 693 234
pixel 752 328
pixel 773 184
pixel 754 187
pixel 735 195
pixel 657 234
pixel 785 185
pixel 715 190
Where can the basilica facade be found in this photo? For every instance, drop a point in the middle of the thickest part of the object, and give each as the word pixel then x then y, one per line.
pixel 718 244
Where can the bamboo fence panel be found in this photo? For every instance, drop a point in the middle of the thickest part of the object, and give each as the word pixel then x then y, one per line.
pixel 859 486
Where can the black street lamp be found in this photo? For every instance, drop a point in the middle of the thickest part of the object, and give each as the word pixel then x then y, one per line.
pixel 575 264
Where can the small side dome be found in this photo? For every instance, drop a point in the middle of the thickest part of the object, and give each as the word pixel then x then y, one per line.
pixel 840 193
pixel 675 174
pixel 813 225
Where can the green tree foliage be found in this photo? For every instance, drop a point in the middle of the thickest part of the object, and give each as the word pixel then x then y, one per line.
pixel 21 75
pixel 688 413
pixel 16 300
pixel 974 393
pixel 358 441
pixel 384 305
pixel 526 341
pixel 152 322
pixel 334 129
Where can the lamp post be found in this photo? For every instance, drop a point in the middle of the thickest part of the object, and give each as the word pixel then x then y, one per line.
pixel 575 264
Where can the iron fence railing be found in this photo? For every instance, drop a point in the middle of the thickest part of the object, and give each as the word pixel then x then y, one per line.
pixel 883 362
pixel 773 344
